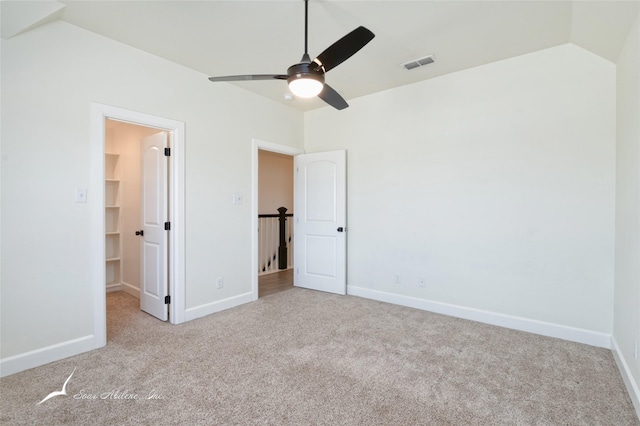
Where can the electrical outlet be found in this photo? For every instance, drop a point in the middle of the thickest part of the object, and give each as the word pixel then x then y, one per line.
pixel 396 279
pixel 422 282
pixel 219 282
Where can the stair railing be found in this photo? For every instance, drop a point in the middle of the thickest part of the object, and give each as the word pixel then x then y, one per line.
pixel 275 242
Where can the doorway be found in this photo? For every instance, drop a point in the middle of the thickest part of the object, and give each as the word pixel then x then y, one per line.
pixel 275 222
pixel 100 115
pixel 122 146
pixel 320 222
pixel 266 201
pixel 137 159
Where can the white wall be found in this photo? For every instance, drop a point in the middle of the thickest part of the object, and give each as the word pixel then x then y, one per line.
pixel 627 266
pixel 275 182
pixel 495 184
pixel 50 77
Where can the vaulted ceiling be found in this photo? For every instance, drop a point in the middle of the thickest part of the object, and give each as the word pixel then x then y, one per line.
pixel 265 37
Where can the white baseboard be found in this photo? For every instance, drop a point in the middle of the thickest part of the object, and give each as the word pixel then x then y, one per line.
pixel 113 287
pixel 38 357
pixel 573 334
pixel 274 271
pixel 627 377
pixel 220 305
pixel 131 289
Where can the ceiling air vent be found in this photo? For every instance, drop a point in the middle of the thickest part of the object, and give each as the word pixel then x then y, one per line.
pixel 416 63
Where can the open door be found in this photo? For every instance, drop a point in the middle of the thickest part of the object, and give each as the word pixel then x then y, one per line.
pixel 320 221
pixel 154 282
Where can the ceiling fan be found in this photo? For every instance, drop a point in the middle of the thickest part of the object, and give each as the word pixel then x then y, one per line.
pixel 306 79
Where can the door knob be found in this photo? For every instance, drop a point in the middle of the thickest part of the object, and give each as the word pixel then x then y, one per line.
pixel 341 229
pixel 140 232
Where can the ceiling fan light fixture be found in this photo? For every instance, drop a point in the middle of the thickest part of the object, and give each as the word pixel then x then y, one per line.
pixel 306 79
pixel 305 86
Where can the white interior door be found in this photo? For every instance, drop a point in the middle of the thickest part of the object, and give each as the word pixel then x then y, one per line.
pixel 154 253
pixel 320 221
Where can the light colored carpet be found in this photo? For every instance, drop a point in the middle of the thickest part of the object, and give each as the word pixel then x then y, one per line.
pixel 302 357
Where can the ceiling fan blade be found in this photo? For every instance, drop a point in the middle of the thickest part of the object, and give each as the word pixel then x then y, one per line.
pixel 250 77
pixel 344 48
pixel 333 98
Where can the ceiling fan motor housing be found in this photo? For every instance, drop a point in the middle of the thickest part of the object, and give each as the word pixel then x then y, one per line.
pixel 305 70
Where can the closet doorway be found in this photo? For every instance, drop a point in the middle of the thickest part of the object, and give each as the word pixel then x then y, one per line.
pixel 175 203
pixel 136 194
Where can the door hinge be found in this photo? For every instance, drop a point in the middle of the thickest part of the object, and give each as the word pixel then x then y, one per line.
pixel 167 226
pixel 167 300
pixel 167 152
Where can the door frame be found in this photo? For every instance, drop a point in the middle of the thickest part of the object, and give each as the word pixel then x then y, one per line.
pixel 257 145
pixel 176 131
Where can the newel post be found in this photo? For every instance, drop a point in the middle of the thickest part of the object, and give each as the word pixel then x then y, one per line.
pixel 282 248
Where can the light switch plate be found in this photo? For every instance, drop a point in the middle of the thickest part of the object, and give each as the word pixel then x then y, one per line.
pixel 81 195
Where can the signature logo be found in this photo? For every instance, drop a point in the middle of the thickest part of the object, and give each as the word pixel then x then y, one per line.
pixel 63 391
pixel 114 394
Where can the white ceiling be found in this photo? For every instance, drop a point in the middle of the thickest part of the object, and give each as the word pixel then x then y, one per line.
pixel 266 37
